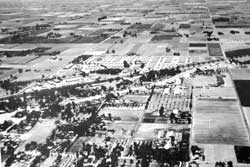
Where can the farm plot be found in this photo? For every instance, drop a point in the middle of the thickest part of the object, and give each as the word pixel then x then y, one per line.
pixel 217 121
pixel 164 37
pixel 243 90
pixel 240 74
pixel 215 92
pixel 18 59
pixel 140 26
pixel 214 49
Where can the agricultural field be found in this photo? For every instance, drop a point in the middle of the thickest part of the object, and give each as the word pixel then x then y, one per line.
pixel 232 35
pixel 215 92
pixel 140 27
pixel 164 37
pixel 243 90
pixel 18 60
pixel 218 121
pixel 240 74
pixel 214 49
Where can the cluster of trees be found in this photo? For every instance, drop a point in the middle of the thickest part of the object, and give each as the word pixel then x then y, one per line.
pixel 54 35
pixel 98 152
pixel 126 64
pixel 12 104
pixel 13 87
pixel 153 75
pixel 5 125
pixel 53 111
pixel 234 60
pixel 89 126
pixel 81 59
pixel 34 115
pixel 9 150
pixel 31 146
pixel 123 84
pixel 132 34
pixel 209 36
pixel 146 153
pixel 115 154
pixel 10 160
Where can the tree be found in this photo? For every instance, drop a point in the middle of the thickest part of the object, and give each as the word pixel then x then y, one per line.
pixel 151 75
pixel 143 78
pixel 83 74
pixel 161 111
pixel 110 96
pixel 125 64
pixel 20 70
pixel 142 65
pixel 27 147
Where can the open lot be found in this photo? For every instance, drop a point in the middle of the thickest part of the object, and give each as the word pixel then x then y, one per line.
pixel 138 98
pixel 38 133
pixel 147 131
pixel 125 114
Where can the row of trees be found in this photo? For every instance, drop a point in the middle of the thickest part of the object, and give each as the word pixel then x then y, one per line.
pixel 108 71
